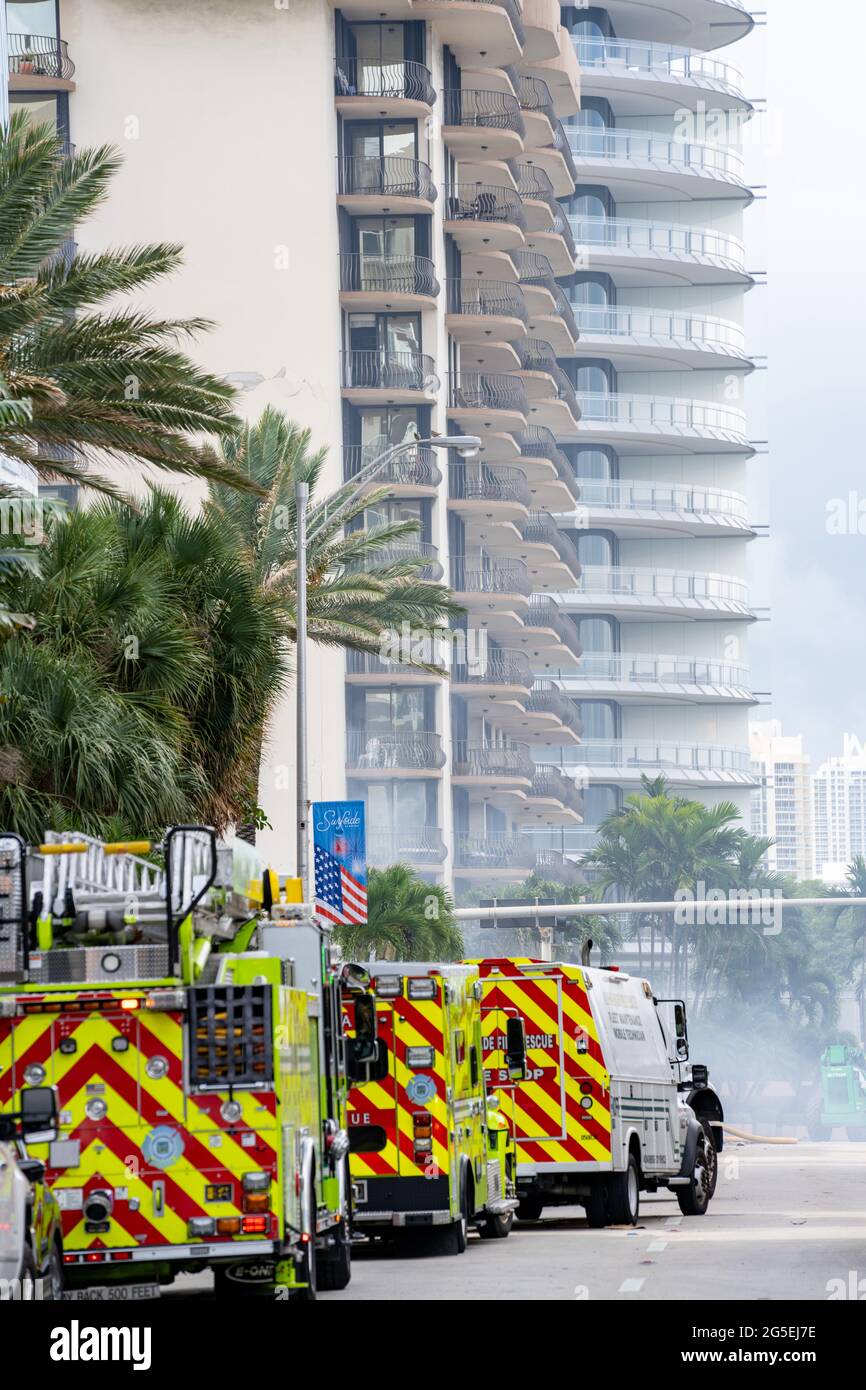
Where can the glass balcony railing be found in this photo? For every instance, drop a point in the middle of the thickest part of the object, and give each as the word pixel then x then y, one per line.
pixel 664 240
pixel 600 582
pixel 661 326
pixel 660 756
pixel 418 844
pixel 664 62
pixel 641 147
pixel 661 414
pixel 627 496
pixel 634 668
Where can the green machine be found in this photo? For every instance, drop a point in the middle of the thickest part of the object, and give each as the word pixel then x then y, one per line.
pixel 842 1093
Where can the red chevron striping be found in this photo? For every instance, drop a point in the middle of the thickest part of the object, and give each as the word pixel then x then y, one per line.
pixel 417 1020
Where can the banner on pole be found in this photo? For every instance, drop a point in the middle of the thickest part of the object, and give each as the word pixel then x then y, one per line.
pixel 339 849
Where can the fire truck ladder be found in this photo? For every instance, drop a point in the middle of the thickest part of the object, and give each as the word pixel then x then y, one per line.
pixel 101 879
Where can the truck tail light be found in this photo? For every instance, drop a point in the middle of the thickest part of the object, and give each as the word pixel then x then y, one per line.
pixel 256 1225
pixel 228 1225
pixel 256 1201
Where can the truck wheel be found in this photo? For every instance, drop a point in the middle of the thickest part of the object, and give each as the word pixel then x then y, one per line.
pixel 623 1195
pixel 714 1168
pixel 529 1208
pixel 451 1239
pixel 695 1197
pixel 595 1206
pixel 334 1265
pixel 496 1227
pixel 54 1273
pixel 28 1272
pixel 309 1265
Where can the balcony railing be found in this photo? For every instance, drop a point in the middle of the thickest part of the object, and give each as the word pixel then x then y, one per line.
pixel 364 274
pixel 547 698
pixel 662 755
pixel 604 582
pixel 388 176
pixel 494 851
pixel 362 77
pixel 627 496
pixel 379 369
pixel 481 202
pixel 409 751
pixel 480 482
pixel 534 95
pixel 415 468
pixel 494 668
pixel 472 109
pixel 538 356
pixel 548 782
pixel 642 147
pixel 562 144
pixel 492 760
pixel 486 298
pixel 671 241
pixel 636 58
pixel 471 577
pixel 420 844
pixel 537 441
pixel 546 612
pixel 369 664
pixel 661 413
pixel 541 529
pixel 662 326
pixel 534 185
pixel 627 668
pixel 535 271
pixel 39 55
pixel 486 391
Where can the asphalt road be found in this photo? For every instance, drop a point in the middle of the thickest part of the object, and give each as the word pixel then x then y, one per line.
pixel 785 1223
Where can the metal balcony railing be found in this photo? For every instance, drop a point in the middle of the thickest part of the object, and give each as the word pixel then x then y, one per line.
pixel 39 55
pixel 473 577
pixel 562 144
pixel 369 664
pixel 538 356
pixel 535 271
pixel 599 580
pixel 505 759
pixel 641 147
pixel 414 468
pixel 410 751
pixel 470 108
pixel 494 668
pixel 362 77
pixel 534 185
pixel 537 441
pixel 665 240
pixel 662 755
pixel 666 62
pixel 661 413
pixel 636 668
pixel 547 698
pixel 494 851
pixel 533 94
pixel 548 782
pixel 627 496
pixel 480 482
pixel 541 529
pixel 481 202
pixel 546 612
pixel 486 298
pixel 379 369
pixel 390 175
pixel 662 326
pixel 412 844
pixel 365 274
pixel 486 391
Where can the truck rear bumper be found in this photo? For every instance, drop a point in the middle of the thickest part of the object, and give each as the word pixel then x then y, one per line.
pixel 402 1218
pixel 155 1254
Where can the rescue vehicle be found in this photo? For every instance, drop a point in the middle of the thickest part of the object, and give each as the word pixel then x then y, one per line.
pixel 606 1108
pixel 190 1023
pixel 429 1147
pixel 31 1244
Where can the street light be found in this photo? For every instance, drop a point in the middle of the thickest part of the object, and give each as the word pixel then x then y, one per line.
pixel 467 445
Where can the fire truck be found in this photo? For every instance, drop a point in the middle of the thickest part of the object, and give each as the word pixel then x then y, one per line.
pixel 605 1108
pixel 430 1150
pixel 190 1025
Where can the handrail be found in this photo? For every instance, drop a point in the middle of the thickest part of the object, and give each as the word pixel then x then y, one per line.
pixel 660 412
pixel 420 844
pixel 661 753
pixel 494 851
pixel 380 369
pixel 635 57
pixel 486 391
pixel 415 468
pixel 471 108
pixel 374 274
pixel 676 239
pixel 409 750
pixel 471 759
pixel 482 202
pixel 654 669
pixel 39 55
pixel 656 583
pixel 635 321
pixel 494 668
pixel 646 147
pixel 475 578
pixel 389 175
pixel 627 495
pixel 364 77
pixel 496 298
pixel 486 482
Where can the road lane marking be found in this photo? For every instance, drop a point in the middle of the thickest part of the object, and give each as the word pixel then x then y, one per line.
pixel 631 1285
pixel 655 1247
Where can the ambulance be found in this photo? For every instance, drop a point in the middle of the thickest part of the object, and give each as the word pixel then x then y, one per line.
pixel 606 1107
pixel 429 1149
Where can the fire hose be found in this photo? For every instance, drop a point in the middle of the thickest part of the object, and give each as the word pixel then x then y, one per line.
pixel 757 1138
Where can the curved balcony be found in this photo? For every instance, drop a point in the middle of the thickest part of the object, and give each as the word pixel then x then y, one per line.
pixel 482 125
pixel 483 218
pixel 413 473
pixel 494 676
pixel 652 509
pixel 495 594
pixel 366 88
pixel 551 394
pixel 387 282
pixel 377 373
pixel 553 791
pixel 541 21
pixel 671 253
pixel 638 678
pixel 703 24
pixel 479 310
pixel 548 471
pixel 641 165
pixel 644 424
pixel 405 753
pixel 548 230
pixel 500 766
pixel 485 401
pixel 635 339
pixel 644 78
pixel 548 553
pixel 493 856
pixel 489 494
pixel 637 594
pixel 491 30
pixel 551 316
pixel 384 184
pixel 620 760
pixel 38 60
pixel 556 159
pixel 420 844
pixel 551 711
pixel 551 632
pixel 366 668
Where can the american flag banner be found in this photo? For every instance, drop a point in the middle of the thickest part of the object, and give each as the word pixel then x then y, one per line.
pixel 340 861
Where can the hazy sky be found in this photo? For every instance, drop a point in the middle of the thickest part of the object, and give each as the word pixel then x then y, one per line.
pixel 809 321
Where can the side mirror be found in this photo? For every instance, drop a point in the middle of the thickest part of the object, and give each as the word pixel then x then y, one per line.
pixel 682 1032
pixel 515 1049
pixel 364 1042
pixel 39 1115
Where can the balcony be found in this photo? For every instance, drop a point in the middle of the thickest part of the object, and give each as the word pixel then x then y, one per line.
pixel 561 73
pixel 646 424
pixel 633 677
pixel 548 471
pixel 482 125
pixel 494 676
pixel 411 474
pixel 493 856
pixel 483 218
pixel 392 377
pixel 496 595
pixel 555 793
pixel 552 633
pixel 421 553
pixel 373 184
pixel 551 316
pixel 541 21
pixel 705 24
pixel 641 593
pixel 548 230
pixel 551 711
pixel 622 761
pixel 646 509
pixel 38 61
pixel 547 145
pixel 387 282
pixel 658 340
pixel 503 766
pixel 365 668
pixel 669 253
pixel 547 552
pixel 481 492
pixel 552 398
pixel 415 845
pixel 539 113
pixel 479 310
pixel 374 754
pixel 364 88
pixel 629 163
pixel 488 30
pixel 486 401
pixel 642 78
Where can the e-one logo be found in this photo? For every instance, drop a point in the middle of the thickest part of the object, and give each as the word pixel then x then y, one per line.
pixel 76 1343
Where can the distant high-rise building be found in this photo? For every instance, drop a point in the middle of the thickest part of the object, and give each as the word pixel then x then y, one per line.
pixel 839 800
pixel 782 801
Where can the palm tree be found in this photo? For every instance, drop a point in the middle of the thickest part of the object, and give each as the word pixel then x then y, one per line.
pixel 856 887
pixel 93 384
pixel 407 919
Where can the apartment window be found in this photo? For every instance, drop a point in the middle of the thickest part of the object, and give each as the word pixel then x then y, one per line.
pixel 373 141
pixel 598 634
pixel 39 18
pixel 387 334
pixel 596 547
pixel 399 806
pixel 600 719
pixel 602 464
pixel 376 237
pixel 395 711
pixel 43 108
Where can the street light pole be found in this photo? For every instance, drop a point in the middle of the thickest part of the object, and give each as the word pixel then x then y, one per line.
pixel 302 497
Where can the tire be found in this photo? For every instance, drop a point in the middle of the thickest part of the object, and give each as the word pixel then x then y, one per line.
pixel 28 1270
pixel 695 1198
pixel 496 1227
pixel 54 1274
pixel 596 1207
pixel 714 1171
pixel 309 1268
pixel 623 1195
pixel 452 1239
pixel 334 1265
pixel 529 1208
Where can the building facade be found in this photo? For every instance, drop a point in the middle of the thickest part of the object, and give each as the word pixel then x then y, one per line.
pixel 513 219
pixel 839 809
pixel 782 799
